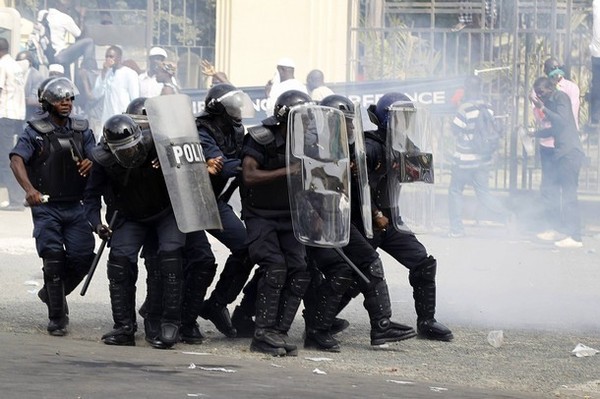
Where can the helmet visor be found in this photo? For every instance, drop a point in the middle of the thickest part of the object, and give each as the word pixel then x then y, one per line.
pixel 130 152
pixel 59 89
pixel 237 104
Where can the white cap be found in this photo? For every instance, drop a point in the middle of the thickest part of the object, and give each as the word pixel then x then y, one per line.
pixel 56 68
pixel 286 62
pixel 157 51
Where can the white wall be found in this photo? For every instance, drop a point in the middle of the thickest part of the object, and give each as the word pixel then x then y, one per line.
pixel 252 35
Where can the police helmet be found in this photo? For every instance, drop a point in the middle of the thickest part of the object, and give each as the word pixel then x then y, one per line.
pixel 54 90
pixel 125 140
pixel 226 99
pixel 383 106
pixel 137 106
pixel 288 100
pixel 342 103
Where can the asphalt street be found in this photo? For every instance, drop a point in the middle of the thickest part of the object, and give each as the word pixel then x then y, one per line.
pixel 545 301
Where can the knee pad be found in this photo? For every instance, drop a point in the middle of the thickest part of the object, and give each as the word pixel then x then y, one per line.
pixel 118 269
pixel 299 283
pixel 275 276
pixel 376 269
pixel 54 265
pixel 424 271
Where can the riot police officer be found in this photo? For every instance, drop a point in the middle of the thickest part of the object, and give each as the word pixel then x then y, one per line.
pixel 127 174
pixel 333 277
pixel 50 161
pixel 272 245
pixel 402 246
pixel 221 135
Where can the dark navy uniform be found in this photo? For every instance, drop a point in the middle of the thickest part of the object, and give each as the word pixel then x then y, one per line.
pixel 220 137
pixel 402 246
pixel 140 196
pixel 272 245
pixel 63 237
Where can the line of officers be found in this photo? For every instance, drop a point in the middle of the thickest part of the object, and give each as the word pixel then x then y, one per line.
pixel 65 176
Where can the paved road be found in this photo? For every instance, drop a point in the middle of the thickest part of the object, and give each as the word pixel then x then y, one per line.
pixel 545 300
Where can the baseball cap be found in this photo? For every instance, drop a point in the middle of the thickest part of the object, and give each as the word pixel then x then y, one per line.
pixel 286 62
pixel 157 51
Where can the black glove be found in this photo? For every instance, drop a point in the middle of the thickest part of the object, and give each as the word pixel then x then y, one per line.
pixel 103 231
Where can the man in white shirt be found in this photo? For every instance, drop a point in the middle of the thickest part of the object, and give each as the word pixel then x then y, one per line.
pixel 285 68
pixel 12 114
pixel 117 84
pixel 61 24
pixel 315 82
pixel 149 86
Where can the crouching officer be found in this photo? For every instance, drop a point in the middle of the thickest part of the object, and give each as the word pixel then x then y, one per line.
pixel 127 173
pixel 50 163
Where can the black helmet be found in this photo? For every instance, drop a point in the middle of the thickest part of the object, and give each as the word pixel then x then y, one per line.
pixel 286 101
pixel 124 139
pixel 226 99
pixel 383 106
pixel 137 106
pixel 342 103
pixel 55 89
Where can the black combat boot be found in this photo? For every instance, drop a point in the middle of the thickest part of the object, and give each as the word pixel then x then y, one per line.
pixel 268 341
pixel 339 325
pixel 171 270
pixel 54 269
pixel 321 304
pixel 119 272
pixel 242 315
pixel 422 279
pixel 377 304
pixel 243 323
pixel 290 299
pixel 218 314
pixel 266 338
pixel 198 277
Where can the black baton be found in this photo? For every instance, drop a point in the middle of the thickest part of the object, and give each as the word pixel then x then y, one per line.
pixel 90 273
pixel 352 265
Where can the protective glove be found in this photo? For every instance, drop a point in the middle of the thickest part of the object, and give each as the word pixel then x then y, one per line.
pixel 103 231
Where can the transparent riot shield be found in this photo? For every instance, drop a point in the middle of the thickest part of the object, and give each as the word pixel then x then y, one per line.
pixel 359 169
pixel 319 175
pixel 182 162
pixel 410 167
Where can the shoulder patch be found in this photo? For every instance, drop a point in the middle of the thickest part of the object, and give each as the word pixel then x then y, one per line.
pixel 261 134
pixel 41 126
pixel 80 125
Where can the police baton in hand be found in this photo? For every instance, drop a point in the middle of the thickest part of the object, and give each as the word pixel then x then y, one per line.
pixel 90 274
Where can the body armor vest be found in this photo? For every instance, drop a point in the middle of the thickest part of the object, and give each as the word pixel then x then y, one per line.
pixel 378 179
pixel 54 170
pixel 273 195
pixel 138 193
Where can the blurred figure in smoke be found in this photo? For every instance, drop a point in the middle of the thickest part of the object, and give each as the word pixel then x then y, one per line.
pixel 549 187
pixel 568 154
pixel 472 156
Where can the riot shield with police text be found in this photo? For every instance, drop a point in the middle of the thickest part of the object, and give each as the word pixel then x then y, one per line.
pixel 410 166
pixel 182 161
pixel 319 175
pixel 359 169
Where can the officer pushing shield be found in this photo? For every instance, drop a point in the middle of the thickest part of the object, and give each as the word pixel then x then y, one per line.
pixel 320 194
pixel 182 162
pixel 409 164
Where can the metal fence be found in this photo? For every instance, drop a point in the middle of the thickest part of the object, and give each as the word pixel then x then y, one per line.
pixel 506 47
